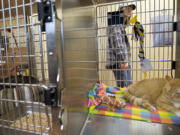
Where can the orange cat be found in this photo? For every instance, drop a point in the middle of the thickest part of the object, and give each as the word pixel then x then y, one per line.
pixel 164 93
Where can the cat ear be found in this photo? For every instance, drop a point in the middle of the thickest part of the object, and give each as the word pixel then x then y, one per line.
pixel 167 87
pixel 168 78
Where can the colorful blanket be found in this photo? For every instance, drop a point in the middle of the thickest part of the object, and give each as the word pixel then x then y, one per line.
pixel 128 111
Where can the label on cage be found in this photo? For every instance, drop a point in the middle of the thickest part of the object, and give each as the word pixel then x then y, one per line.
pixel 162 30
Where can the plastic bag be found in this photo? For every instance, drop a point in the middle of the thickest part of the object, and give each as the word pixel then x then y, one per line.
pixel 146 65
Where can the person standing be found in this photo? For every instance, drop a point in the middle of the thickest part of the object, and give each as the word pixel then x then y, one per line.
pixel 118 56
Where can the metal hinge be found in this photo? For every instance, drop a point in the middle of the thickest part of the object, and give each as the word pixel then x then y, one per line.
pixel 51 96
pixel 173 65
pixel 44 12
pixel 176 26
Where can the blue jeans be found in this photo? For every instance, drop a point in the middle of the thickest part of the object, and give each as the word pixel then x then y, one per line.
pixel 123 77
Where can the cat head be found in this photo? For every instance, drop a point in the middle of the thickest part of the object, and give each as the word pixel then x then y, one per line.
pixel 172 88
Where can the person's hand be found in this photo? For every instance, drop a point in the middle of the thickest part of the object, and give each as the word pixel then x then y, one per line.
pixel 124 66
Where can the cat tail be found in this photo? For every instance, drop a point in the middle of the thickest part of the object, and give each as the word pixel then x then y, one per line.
pixel 138 101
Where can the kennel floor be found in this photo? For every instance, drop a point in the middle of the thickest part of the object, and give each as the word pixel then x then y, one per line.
pixel 27 118
pixel 104 125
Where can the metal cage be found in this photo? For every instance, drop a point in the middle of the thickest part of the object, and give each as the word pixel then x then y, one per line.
pixel 35 45
pixel 26 57
pixel 157 18
pixel 85 59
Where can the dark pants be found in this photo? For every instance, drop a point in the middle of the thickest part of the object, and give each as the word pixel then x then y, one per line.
pixel 123 77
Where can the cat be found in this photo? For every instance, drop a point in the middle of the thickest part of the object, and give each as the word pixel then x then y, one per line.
pixel 163 92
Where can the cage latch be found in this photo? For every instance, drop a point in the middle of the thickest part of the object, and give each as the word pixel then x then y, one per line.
pixel 51 96
pixel 173 65
pixel 44 13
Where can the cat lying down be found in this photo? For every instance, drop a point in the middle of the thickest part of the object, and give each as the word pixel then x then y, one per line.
pixel 163 92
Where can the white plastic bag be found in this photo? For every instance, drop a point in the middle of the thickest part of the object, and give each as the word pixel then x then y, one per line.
pixel 146 65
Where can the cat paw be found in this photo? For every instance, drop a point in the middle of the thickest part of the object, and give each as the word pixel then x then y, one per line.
pixel 177 113
pixel 152 109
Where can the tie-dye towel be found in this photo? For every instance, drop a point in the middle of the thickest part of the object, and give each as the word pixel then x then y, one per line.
pixel 128 111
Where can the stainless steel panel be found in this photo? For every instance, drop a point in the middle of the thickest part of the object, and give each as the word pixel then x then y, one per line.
pixel 178 43
pixel 80 62
pixel 81 3
pixel 54 59
pixel 103 125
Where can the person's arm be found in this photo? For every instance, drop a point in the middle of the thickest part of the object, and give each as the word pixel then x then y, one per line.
pixel 122 54
pixel 124 66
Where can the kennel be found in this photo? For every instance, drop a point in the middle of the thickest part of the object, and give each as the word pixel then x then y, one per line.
pixel 29 89
pixel 53 51
pixel 85 59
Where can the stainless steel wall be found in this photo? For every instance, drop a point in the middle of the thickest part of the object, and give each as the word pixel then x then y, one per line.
pixel 81 3
pixel 178 42
pixel 80 63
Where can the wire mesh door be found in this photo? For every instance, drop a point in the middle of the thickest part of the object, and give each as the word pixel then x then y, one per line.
pixel 157 17
pixel 23 70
